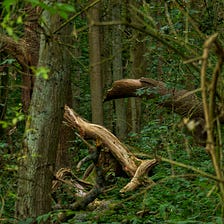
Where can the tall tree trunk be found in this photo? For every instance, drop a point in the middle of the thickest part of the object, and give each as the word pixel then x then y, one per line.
pixel 43 126
pixel 95 66
pixel 120 110
pixel 106 67
pixel 66 134
pixel 138 70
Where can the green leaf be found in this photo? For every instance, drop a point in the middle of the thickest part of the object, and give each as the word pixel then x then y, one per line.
pixel 19 20
pixel 4 124
pixel 14 121
pixel 8 61
pixel 40 4
pixel 7 3
pixel 43 218
pixel 41 72
pixel 64 15
pixel 65 7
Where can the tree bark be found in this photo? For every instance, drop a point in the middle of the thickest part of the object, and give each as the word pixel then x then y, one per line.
pixel 95 66
pixel 183 102
pixel 136 168
pixel 43 126
pixel 120 109
pixel 138 67
pixel 25 51
pixel 63 158
pixel 106 66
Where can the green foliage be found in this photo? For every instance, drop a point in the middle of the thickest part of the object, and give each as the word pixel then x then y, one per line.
pixel 11 20
pixel 63 9
pixel 178 196
pixel 41 72
pixel 14 116
pixel 8 168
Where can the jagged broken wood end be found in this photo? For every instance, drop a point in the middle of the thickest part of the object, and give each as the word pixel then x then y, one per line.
pixel 131 165
pixel 183 102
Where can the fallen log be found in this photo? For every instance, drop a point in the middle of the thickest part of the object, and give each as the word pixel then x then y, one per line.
pixel 134 167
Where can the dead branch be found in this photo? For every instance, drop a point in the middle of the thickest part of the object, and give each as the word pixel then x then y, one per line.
pixel 143 168
pixel 183 102
pixel 65 175
pixel 209 91
pixel 15 48
pixel 134 167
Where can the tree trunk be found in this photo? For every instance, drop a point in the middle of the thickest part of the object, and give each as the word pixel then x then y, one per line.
pixel 120 109
pixel 43 126
pixel 66 136
pixel 182 102
pixel 138 68
pixel 95 66
pixel 106 67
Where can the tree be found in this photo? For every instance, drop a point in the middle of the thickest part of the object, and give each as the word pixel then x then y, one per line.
pixel 43 125
pixel 107 58
pixel 117 46
pixel 25 50
pixel 95 65
pixel 138 66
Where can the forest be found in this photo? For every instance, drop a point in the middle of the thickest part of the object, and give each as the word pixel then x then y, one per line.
pixel 111 111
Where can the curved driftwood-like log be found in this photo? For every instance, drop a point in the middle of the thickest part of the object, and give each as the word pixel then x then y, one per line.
pixel 183 102
pixel 134 167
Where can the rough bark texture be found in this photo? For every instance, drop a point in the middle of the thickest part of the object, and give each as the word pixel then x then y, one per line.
pixel 95 66
pixel 43 126
pixel 106 66
pixel 138 67
pixel 31 42
pixel 63 158
pixel 120 108
pixel 25 51
pixel 134 167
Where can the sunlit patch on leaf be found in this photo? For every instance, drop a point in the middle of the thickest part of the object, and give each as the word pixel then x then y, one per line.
pixel 41 72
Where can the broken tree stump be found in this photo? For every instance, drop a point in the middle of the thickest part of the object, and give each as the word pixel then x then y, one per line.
pixel 183 102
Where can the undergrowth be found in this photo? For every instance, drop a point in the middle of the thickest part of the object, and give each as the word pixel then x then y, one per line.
pixel 177 195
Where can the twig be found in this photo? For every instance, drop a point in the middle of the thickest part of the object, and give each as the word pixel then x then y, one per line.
pixel 169 20
pixel 209 108
pixel 76 15
pixel 204 174
pixel 207 46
